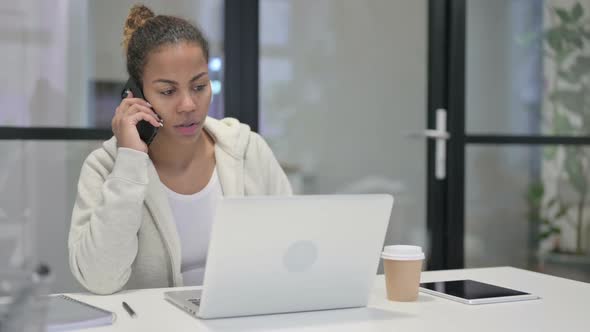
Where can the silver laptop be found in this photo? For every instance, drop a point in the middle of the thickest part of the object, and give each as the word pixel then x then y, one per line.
pixel 287 254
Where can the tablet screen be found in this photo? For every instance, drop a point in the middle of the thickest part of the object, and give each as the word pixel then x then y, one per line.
pixel 470 289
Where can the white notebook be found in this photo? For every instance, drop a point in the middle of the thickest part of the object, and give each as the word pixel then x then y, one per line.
pixel 65 313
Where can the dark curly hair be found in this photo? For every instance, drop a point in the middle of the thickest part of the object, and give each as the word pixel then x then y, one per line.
pixel 144 32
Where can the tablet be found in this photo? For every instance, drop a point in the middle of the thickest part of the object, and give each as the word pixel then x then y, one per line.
pixel 474 292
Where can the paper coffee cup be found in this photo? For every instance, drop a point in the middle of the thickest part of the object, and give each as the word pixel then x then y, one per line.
pixel 402 265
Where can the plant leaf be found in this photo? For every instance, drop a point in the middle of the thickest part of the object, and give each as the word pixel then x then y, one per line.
pixel 578 42
pixel 577 12
pixel 561 125
pixel 572 36
pixel 555 39
pixel 563 15
pixel 580 67
pixel 568 76
pixel 535 192
pixel 562 211
pixel 574 170
pixel 549 152
pixel 547 233
pixel 573 100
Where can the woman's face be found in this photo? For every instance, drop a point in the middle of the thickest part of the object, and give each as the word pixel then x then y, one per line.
pixel 176 84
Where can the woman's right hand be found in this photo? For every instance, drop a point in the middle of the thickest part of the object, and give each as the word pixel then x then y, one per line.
pixel 127 115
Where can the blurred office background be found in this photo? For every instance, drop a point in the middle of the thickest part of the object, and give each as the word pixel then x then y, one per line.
pixel 342 86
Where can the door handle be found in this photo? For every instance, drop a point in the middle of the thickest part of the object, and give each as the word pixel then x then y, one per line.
pixel 440 135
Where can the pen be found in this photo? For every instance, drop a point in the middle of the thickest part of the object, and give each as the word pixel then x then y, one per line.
pixel 129 310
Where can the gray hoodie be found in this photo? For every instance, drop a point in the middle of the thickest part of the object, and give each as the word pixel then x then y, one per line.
pixel 123 235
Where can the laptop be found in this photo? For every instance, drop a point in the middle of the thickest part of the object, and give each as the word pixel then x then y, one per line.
pixel 275 254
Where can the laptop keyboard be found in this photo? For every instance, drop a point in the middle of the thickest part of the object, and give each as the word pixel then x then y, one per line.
pixel 195 301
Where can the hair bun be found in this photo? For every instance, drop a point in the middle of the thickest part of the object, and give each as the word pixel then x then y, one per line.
pixel 138 15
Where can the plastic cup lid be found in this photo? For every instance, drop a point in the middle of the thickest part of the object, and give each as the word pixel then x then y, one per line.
pixel 403 252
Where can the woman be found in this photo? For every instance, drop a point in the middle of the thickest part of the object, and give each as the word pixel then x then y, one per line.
pixel 143 213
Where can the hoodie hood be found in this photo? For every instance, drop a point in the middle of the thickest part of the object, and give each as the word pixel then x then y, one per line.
pixel 229 135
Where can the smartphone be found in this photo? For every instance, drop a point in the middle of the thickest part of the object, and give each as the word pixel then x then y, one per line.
pixel 146 130
pixel 474 292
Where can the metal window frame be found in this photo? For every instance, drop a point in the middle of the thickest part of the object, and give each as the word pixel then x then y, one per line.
pixel 437 98
pixel 241 49
pixel 53 133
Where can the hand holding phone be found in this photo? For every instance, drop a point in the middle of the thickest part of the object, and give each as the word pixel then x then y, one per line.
pixel 135 123
pixel 146 131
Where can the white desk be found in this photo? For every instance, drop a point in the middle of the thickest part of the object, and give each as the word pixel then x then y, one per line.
pixel 565 306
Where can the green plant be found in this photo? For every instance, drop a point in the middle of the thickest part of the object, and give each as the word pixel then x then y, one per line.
pixel 568 113
pixel 545 227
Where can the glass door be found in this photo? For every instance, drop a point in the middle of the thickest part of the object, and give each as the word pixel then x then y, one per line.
pixel 521 117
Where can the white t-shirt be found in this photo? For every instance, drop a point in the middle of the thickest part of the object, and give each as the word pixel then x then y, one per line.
pixel 194 215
